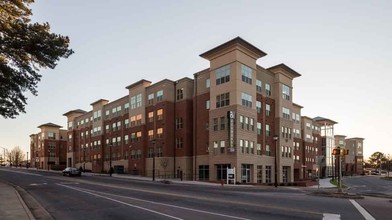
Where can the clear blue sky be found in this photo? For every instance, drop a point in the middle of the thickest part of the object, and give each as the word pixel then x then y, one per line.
pixel 341 48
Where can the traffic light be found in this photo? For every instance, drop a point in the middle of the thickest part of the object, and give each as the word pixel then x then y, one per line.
pixel 344 152
pixel 336 151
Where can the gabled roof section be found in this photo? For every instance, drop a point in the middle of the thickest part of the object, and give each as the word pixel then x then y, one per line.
pixel 80 111
pixel 142 81
pixel 236 41
pixel 286 69
pixel 324 120
pixel 100 100
pixel 50 125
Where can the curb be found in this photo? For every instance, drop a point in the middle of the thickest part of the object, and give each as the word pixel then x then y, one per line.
pixel 27 210
pixel 336 195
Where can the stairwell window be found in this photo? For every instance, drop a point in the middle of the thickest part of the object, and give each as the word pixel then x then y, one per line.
pixel 246 74
pixel 267 110
pixel 246 99
pixel 285 92
pixel 223 74
pixel 223 100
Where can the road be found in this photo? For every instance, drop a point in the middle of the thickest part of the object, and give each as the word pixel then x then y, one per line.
pixel 377 190
pixel 95 197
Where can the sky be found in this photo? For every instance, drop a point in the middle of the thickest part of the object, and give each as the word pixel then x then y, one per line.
pixel 342 49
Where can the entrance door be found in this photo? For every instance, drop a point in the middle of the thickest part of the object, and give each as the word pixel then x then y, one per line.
pixel 245 173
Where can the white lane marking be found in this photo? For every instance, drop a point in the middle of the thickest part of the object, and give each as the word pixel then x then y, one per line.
pixel 361 210
pixel 127 204
pixel 163 204
pixel 32 174
pixel 328 216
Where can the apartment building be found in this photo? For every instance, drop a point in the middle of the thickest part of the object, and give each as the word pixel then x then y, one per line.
pixel 233 114
pixel 354 163
pixel 48 147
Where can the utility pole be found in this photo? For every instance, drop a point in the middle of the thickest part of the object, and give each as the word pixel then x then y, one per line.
pixel 27 163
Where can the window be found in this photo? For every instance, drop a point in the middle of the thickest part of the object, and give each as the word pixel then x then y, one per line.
pixel 138 136
pixel 246 99
pixel 150 135
pixel 215 147
pixel 208 83
pixel 286 113
pixel 160 114
pixel 126 123
pixel 222 100
pixel 204 173
pixel 242 145
pixel 222 147
pixel 258 86
pixel 259 129
pixel 247 146
pixel 246 74
pixel 51 136
pixel 133 121
pixel 138 119
pixel 179 143
pixel 268 89
pixel 267 150
pixel 139 100
pixel 268 174
pixel 180 93
pixel 252 125
pixel 222 74
pixel 160 132
pixel 151 117
pixel 215 124
pixel 126 107
pixel 139 154
pixel 133 102
pixel 267 130
pixel 179 123
pixel 251 146
pixel 242 122
pixel 258 149
pixel 258 107
pixel 126 139
pixel 150 98
pixel 208 104
pixel 222 123
pixel 285 92
pixel 267 110
pixel 160 95
pixel 259 174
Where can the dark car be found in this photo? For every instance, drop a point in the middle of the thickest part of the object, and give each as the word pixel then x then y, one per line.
pixel 71 171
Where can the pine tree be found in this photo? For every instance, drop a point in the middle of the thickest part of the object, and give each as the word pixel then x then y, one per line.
pixel 25 48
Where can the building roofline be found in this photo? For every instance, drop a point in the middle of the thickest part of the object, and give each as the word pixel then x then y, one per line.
pixel 74 111
pixel 137 83
pixel 237 40
pixel 287 68
pixel 99 100
pixel 49 124
pixel 326 120
pixel 295 104
pixel 201 71
pixel 339 135
pixel 357 138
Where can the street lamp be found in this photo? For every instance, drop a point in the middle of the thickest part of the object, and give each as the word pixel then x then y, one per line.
pixel 84 159
pixel 27 163
pixel 110 159
pixel 276 137
pixel 48 158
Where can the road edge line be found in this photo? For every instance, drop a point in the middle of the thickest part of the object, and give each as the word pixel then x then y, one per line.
pixel 361 210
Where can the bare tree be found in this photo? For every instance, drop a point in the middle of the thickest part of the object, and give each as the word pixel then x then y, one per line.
pixel 15 156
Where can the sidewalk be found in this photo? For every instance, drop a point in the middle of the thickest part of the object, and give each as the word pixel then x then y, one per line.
pixel 324 184
pixel 12 206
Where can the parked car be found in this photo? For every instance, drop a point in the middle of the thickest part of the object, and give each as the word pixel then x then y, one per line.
pixel 71 171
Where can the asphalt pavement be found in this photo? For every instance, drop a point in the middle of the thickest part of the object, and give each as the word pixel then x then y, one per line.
pixel 13 207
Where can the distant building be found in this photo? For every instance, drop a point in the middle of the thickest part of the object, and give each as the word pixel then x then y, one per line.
pixel 354 161
pixel 48 147
pixel 327 144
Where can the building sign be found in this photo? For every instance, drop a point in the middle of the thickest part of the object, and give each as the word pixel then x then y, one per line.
pixel 230 175
pixel 231 120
